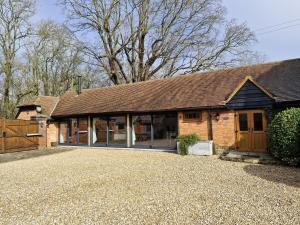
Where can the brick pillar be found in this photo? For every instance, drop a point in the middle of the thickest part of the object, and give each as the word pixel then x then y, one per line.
pixel 42 120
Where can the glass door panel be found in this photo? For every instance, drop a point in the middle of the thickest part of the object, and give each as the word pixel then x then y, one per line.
pixel 243 121
pixel 141 130
pixel 73 131
pixel 82 131
pixel 164 130
pixel 251 135
pixel 117 130
pixel 99 135
pixel 259 140
pixel 63 133
pixel 244 134
pixel 258 121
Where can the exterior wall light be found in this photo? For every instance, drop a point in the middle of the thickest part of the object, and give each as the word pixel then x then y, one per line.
pixel 217 117
pixel 39 109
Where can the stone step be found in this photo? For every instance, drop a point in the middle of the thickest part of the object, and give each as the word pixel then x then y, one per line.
pixel 255 159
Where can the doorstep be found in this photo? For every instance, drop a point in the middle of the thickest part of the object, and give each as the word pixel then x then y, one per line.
pixel 250 157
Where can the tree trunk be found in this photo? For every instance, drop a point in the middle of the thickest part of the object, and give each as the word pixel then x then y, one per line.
pixel 6 89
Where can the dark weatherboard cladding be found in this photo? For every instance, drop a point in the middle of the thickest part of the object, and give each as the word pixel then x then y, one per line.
pixel 250 96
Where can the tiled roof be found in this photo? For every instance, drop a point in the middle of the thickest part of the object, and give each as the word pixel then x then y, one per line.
pixel 48 103
pixel 197 90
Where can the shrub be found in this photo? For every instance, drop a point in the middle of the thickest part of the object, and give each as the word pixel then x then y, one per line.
pixel 185 141
pixel 284 136
pixel 271 113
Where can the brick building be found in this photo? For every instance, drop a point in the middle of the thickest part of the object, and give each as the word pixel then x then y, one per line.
pixel 227 106
pixel 40 109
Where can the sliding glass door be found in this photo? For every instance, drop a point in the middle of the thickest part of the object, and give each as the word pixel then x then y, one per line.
pixel 74 131
pixel 164 130
pixel 109 131
pixel 99 134
pixel 72 126
pixel 141 131
pixel 63 133
pixel 155 131
pixel 147 131
pixel 117 133
pixel 83 133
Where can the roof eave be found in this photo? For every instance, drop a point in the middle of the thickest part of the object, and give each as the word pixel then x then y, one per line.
pixel 30 105
pixel 139 112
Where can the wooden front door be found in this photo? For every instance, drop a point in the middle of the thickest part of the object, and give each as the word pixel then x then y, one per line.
pixel 251 131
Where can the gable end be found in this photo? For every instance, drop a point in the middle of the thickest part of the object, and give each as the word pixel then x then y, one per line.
pixel 249 95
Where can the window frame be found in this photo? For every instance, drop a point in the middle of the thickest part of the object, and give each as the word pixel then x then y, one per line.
pixel 196 119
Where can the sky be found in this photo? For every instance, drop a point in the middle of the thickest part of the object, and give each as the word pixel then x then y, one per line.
pixel 257 14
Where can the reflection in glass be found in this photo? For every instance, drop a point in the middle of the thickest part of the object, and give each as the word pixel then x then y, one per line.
pixel 141 130
pixel 99 131
pixel 63 133
pixel 165 130
pixel 73 129
pixel 82 131
pixel 117 130
pixel 243 121
pixel 258 121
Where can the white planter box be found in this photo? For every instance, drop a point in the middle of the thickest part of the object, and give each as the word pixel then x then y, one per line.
pixel 200 148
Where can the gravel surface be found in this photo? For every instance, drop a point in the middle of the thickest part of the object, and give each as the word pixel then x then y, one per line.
pixel 92 186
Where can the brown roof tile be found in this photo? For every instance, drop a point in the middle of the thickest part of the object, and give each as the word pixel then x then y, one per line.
pixel 197 90
pixel 48 103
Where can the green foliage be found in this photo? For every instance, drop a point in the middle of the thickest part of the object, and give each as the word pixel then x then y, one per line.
pixel 284 136
pixel 271 112
pixel 185 141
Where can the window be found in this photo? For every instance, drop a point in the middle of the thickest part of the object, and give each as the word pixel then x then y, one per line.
pixel 192 116
pixel 243 121
pixel 258 121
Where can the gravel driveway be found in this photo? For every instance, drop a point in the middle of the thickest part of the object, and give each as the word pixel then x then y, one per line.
pixel 92 186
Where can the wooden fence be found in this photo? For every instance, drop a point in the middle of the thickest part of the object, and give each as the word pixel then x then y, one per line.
pixel 18 135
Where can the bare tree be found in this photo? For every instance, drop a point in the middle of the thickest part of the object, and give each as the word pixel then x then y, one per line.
pixel 54 59
pixel 137 40
pixel 14 28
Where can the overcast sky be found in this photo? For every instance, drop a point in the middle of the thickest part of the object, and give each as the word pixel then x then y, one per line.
pixel 258 14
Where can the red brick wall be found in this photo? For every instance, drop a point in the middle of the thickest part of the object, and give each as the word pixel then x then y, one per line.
pixel 43 132
pixel 223 129
pixel 26 114
pixel 190 127
pixel 52 133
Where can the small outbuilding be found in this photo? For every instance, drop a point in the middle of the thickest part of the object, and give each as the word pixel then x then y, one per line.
pixel 40 109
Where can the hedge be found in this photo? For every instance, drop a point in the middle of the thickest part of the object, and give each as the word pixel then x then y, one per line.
pixel 284 136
